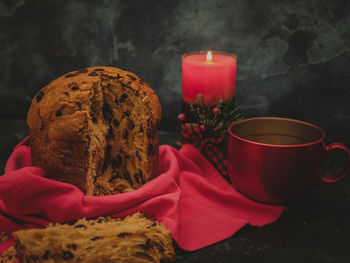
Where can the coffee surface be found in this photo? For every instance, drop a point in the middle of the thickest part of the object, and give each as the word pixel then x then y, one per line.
pixel 276 139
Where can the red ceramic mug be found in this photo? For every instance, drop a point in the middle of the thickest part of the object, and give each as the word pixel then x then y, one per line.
pixel 276 160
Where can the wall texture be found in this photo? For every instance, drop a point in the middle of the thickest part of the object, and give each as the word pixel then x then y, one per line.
pixel 293 56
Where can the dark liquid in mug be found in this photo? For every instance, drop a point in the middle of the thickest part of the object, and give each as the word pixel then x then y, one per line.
pixel 275 131
pixel 276 139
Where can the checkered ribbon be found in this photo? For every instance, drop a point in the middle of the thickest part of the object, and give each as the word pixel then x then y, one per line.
pixel 210 147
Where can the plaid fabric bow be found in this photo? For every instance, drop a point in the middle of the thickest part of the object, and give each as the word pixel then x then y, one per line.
pixel 194 134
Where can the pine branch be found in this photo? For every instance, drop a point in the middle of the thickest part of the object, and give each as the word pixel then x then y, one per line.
pixel 215 123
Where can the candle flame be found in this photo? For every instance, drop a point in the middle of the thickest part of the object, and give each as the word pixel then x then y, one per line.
pixel 209 56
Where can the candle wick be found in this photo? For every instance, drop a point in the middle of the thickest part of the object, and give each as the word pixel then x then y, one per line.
pixel 209 56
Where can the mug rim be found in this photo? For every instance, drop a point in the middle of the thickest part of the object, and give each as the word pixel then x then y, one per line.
pixel 321 139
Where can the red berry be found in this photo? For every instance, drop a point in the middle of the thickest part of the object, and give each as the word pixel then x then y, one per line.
pixel 182 117
pixel 202 127
pixel 215 110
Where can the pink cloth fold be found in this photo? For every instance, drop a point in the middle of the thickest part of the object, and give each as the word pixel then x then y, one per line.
pixel 189 196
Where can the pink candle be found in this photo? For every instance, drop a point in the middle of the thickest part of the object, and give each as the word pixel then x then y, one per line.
pixel 212 74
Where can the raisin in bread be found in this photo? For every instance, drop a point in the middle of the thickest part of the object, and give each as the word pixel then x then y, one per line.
pixel 96 128
pixel 135 238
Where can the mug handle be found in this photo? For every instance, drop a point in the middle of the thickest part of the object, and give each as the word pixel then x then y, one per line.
pixel 339 176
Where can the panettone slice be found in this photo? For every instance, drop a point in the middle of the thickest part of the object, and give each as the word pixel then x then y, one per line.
pixel 136 239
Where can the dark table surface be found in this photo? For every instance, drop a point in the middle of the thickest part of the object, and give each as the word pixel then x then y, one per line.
pixel 315 229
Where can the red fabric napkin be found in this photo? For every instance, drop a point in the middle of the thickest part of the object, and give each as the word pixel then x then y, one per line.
pixel 189 197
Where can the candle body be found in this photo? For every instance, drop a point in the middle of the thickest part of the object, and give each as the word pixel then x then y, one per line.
pixel 215 79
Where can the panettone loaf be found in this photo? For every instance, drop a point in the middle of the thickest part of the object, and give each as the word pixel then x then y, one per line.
pixel 135 238
pixel 96 128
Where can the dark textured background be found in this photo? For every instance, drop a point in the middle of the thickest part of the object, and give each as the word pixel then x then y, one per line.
pixel 293 61
pixel 293 56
